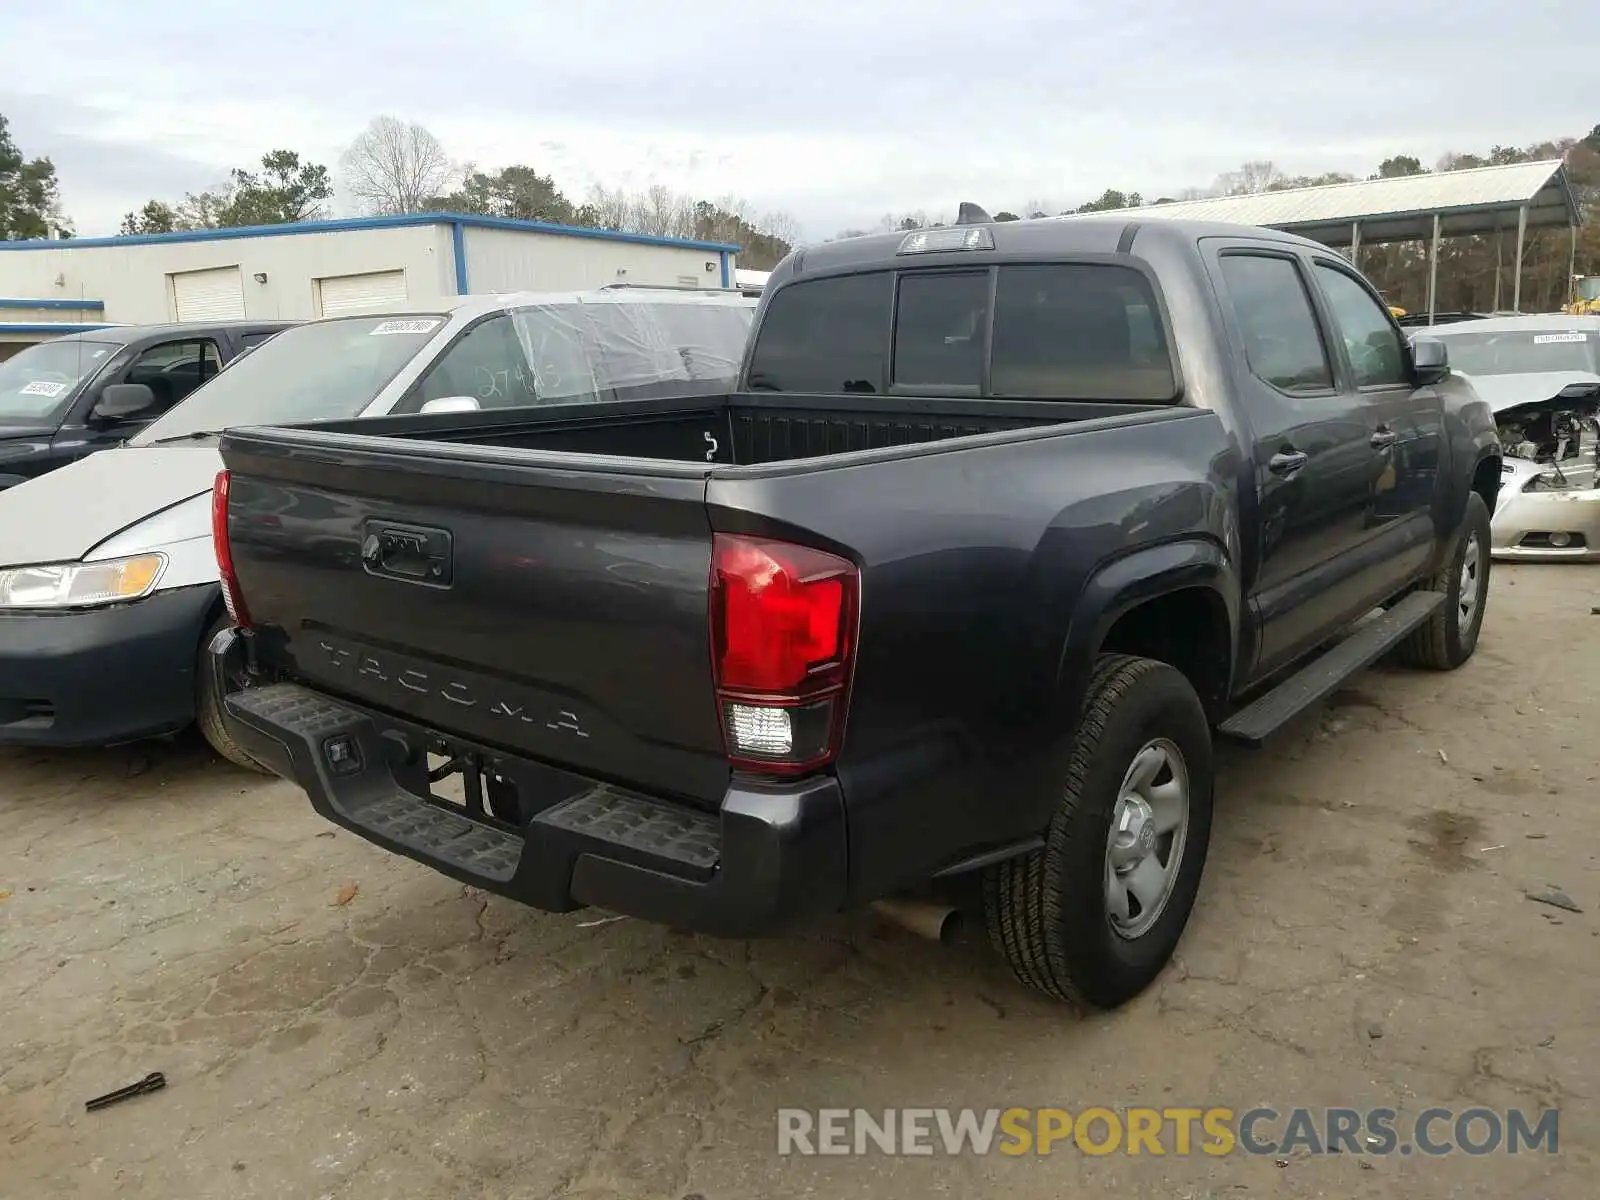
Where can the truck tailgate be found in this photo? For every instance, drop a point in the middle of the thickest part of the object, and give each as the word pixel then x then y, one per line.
pixel 558 613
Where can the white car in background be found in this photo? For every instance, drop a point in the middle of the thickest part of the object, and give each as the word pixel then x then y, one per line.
pixel 108 582
pixel 1541 375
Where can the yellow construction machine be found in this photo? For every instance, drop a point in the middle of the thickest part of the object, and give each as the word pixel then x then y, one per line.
pixel 1585 300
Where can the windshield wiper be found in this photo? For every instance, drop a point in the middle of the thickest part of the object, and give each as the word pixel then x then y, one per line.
pixel 193 436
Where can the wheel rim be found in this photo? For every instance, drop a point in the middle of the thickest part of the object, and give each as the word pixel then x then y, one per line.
pixel 1144 846
pixel 1470 585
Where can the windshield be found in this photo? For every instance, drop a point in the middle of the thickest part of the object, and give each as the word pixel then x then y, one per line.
pixel 314 372
pixel 37 384
pixel 1522 352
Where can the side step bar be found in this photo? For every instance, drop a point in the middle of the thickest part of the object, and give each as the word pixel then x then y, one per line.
pixel 1253 724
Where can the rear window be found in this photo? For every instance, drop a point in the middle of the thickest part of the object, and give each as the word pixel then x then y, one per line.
pixel 827 335
pixel 1059 331
pixel 1079 332
pixel 939 329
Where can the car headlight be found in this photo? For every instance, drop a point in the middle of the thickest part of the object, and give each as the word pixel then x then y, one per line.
pixel 81 585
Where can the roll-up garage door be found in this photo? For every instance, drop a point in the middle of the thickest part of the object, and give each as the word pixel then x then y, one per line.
pixel 214 295
pixel 338 295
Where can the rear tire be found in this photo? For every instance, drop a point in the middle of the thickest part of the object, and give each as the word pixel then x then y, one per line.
pixel 1084 919
pixel 1447 639
pixel 208 708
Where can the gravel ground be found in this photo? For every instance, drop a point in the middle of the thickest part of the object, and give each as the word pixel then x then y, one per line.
pixel 336 1022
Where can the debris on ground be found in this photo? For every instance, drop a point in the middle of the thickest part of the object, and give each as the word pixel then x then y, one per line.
pixel 345 894
pixel 1554 897
pixel 1374 1030
pixel 152 1082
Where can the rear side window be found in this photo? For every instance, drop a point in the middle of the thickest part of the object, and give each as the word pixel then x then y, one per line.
pixel 1079 331
pixel 1281 339
pixel 825 335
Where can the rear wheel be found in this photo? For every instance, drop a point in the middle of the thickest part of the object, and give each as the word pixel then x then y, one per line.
pixel 1095 915
pixel 1447 639
pixel 208 706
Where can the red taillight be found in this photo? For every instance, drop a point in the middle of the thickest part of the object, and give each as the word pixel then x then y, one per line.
pixel 232 597
pixel 783 628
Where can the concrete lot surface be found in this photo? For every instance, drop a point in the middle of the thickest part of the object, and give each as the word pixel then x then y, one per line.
pixel 336 1022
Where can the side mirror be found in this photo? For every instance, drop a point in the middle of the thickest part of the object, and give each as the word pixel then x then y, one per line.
pixel 452 404
pixel 119 401
pixel 1430 360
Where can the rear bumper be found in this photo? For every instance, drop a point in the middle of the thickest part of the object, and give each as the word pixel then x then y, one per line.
pixel 770 856
pixel 101 676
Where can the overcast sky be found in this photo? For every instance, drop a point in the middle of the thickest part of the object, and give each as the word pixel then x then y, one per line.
pixel 836 112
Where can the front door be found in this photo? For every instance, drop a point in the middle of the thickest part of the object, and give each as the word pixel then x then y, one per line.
pixel 170 369
pixel 1312 452
pixel 1404 425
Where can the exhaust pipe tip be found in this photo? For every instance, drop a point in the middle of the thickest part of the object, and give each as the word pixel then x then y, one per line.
pixel 936 922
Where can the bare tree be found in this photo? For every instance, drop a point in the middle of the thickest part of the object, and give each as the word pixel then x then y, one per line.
pixel 394 166
pixel 781 225
pixel 660 211
pixel 1249 178
pixel 609 208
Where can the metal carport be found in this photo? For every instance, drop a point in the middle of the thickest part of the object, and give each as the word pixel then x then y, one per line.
pixel 1405 208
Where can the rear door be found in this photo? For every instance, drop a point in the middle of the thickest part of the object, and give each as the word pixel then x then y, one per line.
pixel 1310 444
pixel 1404 425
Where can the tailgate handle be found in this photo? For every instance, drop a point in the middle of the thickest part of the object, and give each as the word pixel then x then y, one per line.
pixel 408 553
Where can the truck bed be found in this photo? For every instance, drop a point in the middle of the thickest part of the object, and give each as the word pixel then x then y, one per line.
pixel 740 429
pixel 571 628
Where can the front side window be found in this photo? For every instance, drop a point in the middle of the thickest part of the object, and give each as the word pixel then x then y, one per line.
pixel 172 370
pixel 486 364
pixel 1376 353
pixel 1281 339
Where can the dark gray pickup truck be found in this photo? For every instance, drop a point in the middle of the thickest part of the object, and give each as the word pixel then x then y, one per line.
pixel 1007 522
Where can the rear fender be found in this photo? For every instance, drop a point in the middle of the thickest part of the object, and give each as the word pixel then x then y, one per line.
pixel 1123 584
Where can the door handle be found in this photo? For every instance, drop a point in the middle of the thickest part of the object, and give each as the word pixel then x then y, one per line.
pixel 1287 462
pixel 1384 438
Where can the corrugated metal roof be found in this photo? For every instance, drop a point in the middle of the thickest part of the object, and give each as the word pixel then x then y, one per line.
pixel 1477 200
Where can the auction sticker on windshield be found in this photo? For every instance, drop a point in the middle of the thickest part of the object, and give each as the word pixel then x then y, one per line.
pixel 44 387
pixel 1544 339
pixel 415 326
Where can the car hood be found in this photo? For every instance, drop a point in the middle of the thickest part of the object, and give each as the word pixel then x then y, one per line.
pixel 62 515
pixel 24 431
pixel 1509 391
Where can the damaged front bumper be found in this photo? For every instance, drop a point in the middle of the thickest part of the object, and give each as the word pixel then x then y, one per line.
pixel 1545 516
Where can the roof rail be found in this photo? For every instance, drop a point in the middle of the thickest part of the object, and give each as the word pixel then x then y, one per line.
pixel 660 287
